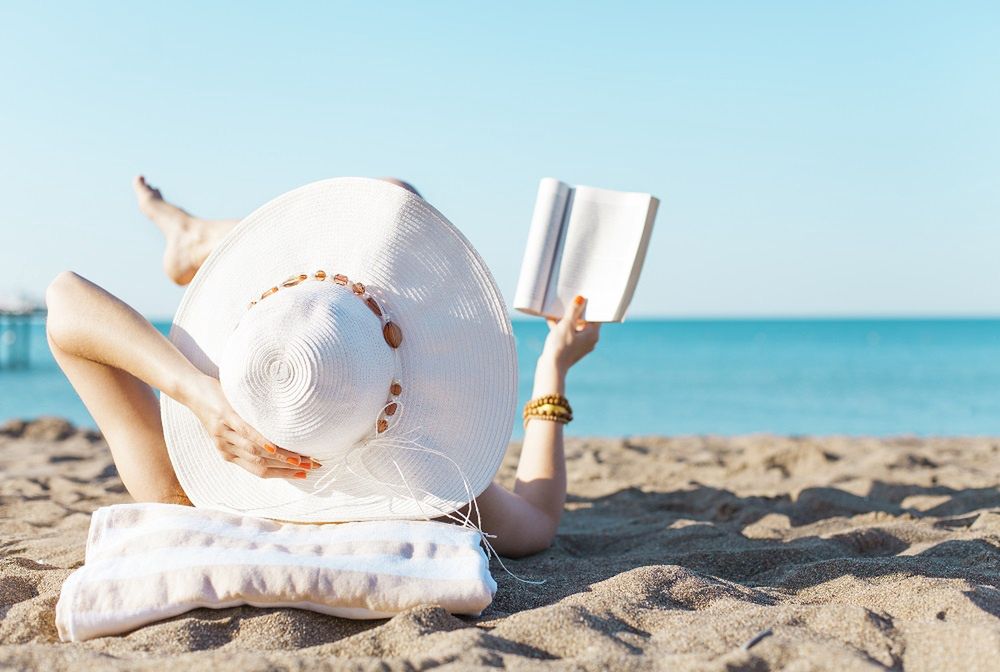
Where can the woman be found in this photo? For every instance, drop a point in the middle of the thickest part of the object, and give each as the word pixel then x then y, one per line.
pixel 115 358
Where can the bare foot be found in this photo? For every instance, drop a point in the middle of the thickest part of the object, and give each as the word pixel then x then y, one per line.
pixel 190 239
pixel 187 236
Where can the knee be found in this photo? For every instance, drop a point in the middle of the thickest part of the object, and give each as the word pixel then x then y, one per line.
pixel 60 287
pixel 59 300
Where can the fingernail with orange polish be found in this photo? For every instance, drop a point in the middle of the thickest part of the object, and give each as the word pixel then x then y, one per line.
pixel 300 474
pixel 578 300
pixel 270 448
pixel 293 460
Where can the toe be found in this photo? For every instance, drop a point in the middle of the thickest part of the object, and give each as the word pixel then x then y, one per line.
pixel 140 186
pixel 144 190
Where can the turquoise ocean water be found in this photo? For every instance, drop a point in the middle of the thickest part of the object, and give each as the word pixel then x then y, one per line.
pixel 878 377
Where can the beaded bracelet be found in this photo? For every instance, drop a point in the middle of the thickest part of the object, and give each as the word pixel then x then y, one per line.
pixel 552 407
pixel 554 399
pixel 561 419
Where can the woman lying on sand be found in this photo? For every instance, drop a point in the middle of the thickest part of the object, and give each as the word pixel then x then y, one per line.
pixel 115 358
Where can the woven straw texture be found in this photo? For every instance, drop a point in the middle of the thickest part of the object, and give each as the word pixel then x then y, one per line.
pixel 312 384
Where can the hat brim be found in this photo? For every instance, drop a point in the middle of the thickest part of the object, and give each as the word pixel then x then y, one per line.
pixel 458 359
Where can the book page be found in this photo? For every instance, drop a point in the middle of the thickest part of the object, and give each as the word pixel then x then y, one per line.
pixel 602 252
pixel 541 249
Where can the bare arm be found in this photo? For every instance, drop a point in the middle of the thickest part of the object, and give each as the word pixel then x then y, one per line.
pixel 525 520
pixel 88 322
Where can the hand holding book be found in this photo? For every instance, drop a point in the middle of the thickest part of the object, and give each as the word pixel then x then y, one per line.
pixel 570 338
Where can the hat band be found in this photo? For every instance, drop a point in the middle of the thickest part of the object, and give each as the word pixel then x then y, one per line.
pixel 391 332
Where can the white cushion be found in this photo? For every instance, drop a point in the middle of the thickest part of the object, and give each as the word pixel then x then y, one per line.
pixel 147 562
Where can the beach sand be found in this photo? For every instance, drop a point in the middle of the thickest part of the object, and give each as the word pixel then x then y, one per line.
pixel 674 553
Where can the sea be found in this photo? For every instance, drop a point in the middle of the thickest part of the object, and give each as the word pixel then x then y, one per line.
pixel 876 377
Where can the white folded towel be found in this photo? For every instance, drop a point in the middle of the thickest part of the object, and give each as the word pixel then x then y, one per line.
pixel 147 562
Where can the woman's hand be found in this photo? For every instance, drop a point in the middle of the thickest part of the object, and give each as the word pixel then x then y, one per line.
pixel 238 442
pixel 570 338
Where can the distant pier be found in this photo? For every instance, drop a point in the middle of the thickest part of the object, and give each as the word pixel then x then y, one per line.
pixel 15 334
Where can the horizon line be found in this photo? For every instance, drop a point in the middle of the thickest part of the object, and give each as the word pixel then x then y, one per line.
pixel 763 317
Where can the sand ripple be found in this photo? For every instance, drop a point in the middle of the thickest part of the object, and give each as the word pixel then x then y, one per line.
pixel 828 553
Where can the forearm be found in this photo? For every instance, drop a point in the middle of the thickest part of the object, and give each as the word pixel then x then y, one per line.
pixel 87 321
pixel 541 472
pixel 525 521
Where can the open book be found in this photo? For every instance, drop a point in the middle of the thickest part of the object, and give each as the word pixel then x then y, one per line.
pixel 585 241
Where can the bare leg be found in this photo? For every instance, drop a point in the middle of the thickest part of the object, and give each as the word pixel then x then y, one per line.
pixel 191 239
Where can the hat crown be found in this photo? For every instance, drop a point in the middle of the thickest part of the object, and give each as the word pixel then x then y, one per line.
pixel 309 369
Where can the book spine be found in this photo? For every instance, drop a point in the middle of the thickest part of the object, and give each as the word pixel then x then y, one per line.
pixel 540 250
pixel 552 306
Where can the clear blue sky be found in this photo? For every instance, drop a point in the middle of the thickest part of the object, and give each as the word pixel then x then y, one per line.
pixel 811 158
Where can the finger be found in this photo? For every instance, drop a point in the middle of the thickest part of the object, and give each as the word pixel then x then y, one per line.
pixel 227 451
pixel 245 448
pixel 574 311
pixel 552 322
pixel 261 466
pixel 292 458
pixel 589 335
pixel 263 471
pixel 281 454
pixel 279 458
pixel 249 433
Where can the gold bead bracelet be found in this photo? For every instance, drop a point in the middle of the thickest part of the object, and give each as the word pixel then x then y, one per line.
pixel 551 407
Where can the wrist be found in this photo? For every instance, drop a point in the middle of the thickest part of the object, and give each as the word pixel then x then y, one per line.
pixel 191 387
pixel 549 360
pixel 550 377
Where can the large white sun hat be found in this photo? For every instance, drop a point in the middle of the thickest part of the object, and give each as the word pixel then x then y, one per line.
pixel 349 321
